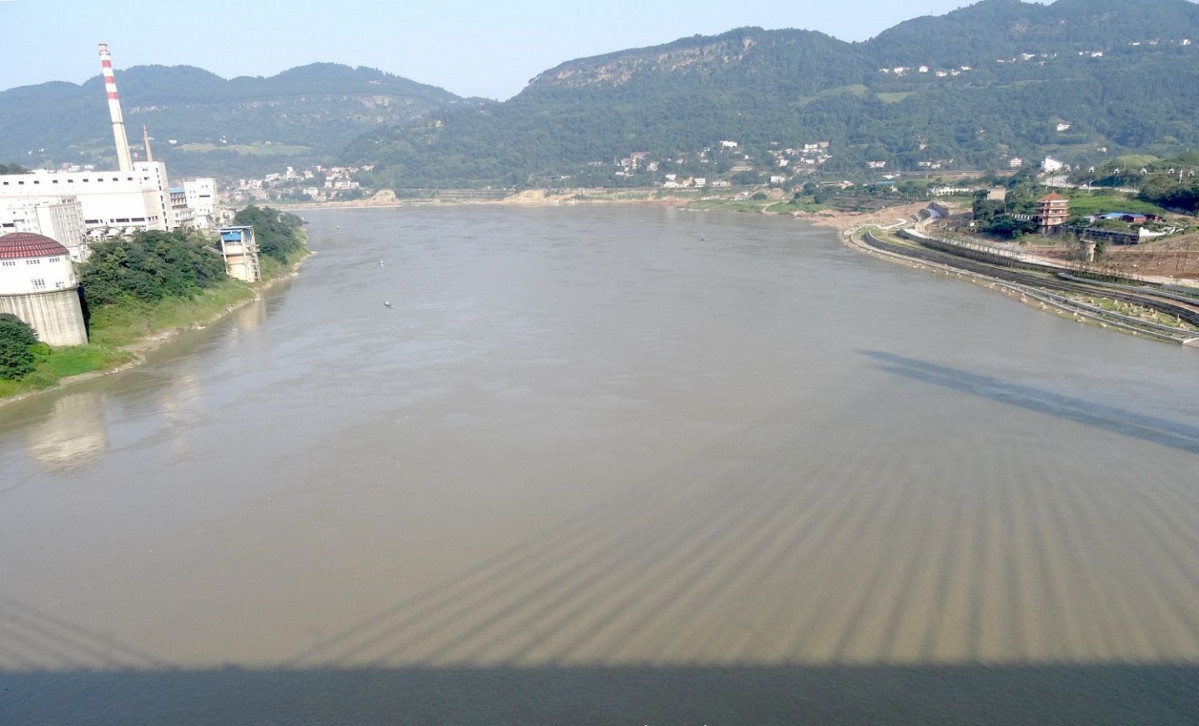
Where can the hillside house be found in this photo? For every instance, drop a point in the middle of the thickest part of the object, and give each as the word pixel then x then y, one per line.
pixel 1052 211
pixel 1051 164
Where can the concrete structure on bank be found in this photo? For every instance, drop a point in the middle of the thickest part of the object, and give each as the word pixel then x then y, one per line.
pixel 38 285
pixel 240 251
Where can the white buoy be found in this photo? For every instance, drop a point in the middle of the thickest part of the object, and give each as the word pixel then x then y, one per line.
pixel 386 303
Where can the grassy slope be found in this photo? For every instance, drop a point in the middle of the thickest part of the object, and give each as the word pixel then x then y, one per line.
pixel 126 324
pixel 1088 204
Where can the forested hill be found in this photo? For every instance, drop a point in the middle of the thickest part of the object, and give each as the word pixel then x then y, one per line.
pixel 975 88
pixel 980 34
pixel 242 126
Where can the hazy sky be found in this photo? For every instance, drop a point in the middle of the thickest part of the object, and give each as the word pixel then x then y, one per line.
pixel 489 48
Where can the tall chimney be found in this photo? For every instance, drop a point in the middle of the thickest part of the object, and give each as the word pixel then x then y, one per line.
pixel 124 160
pixel 146 143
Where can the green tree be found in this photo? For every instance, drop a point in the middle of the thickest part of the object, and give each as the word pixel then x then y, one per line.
pixel 150 266
pixel 16 354
pixel 278 234
pixel 986 210
pixel 1009 227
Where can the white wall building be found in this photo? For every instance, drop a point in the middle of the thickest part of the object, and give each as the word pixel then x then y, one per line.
pixel 180 216
pixel 201 197
pixel 38 285
pixel 60 219
pixel 128 201
pixel 1051 164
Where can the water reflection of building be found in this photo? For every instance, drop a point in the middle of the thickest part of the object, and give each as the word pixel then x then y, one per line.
pixel 250 316
pixel 182 405
pixel 73 435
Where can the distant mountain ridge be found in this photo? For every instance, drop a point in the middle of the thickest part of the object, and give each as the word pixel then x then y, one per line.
pixel 249 124
pixel 975 88
pixel 980 87
pixel 985 31
pixel 754 48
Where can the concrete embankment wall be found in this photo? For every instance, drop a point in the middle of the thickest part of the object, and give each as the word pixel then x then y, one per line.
pixel 1045 299
pixel 56 316
pixel 969 251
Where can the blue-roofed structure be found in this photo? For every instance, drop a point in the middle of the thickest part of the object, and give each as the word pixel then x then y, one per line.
pixel 1129 217
pixel 240 252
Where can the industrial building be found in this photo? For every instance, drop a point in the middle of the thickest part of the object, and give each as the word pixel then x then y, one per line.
pixel 38 285
pixel 112 202
pixel 135 197
pixel 48 217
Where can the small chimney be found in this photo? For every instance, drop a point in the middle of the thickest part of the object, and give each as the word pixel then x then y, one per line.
pixel 146 142
pixel 124 159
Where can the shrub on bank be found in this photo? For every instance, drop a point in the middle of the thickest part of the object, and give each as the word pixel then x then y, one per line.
pixel 151 266
pixel 17 340
pixel 279 235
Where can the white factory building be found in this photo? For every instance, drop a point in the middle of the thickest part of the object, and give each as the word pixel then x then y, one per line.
pixel 112 202
pixel 135 197
pixel 38 285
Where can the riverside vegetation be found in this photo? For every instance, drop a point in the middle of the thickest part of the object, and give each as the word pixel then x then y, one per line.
pixel 139 289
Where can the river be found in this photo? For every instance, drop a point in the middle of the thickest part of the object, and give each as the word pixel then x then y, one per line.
pixel 610 464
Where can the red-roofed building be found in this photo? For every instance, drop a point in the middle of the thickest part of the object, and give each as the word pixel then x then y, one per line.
pixel 19 245
pixel 38 285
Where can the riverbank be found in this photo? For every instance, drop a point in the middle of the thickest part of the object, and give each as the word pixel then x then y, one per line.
pixel 1085 301
pixel 124 343
pixel 530 198
pixel 775 203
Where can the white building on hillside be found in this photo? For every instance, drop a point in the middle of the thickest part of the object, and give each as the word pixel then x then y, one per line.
pixel 1051 165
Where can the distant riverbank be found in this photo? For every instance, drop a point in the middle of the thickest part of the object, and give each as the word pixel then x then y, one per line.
pixel 775 202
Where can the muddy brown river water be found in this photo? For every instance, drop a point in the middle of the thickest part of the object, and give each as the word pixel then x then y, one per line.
pixel 611 465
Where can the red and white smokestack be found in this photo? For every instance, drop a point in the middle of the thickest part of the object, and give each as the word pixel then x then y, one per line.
pixel 124 159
